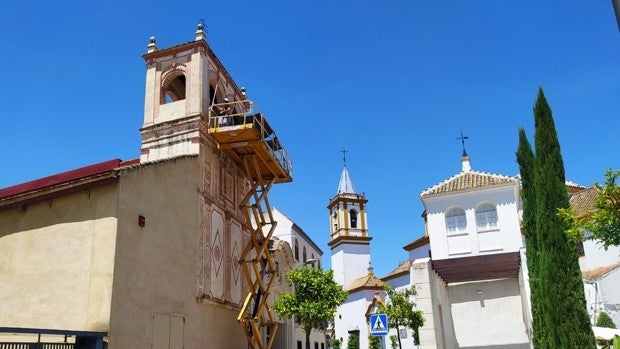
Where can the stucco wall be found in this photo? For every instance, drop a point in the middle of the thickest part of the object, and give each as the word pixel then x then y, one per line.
pixel 57 262
pixel 487 314
pixel 157 266
pixel 506 238
pixel 350 262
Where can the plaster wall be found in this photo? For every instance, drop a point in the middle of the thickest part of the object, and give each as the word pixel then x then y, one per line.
pixel 595 255
pixel 610 295
pixel 351 316
pixel 57 262
pixel 505 238
pixel 285 230
pixel 487 314
pixel 420 252
pixel 165 267
pixel 350 262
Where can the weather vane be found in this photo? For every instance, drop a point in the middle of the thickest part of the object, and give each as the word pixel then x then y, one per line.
pixel 344 156
pixel 202 22
pixel 462 139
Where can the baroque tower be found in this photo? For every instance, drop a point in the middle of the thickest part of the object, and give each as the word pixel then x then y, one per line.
pixel 182 82
pixel 349 240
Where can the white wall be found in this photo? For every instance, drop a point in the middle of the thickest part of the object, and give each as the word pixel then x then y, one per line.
pixel 507 237
pixel 352 316
pixel 487 314
pixel 350 262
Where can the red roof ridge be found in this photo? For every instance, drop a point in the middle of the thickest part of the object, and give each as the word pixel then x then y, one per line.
pixel 60 178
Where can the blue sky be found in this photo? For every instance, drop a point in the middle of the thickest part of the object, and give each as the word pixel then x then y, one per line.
pixel 393 82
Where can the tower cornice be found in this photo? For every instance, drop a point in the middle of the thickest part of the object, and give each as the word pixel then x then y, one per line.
pixel 352 240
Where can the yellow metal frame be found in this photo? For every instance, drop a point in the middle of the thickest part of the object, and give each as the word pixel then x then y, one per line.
pixel 250 142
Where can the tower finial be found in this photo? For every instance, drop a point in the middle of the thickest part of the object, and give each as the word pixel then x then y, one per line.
pixel 200 32
pixel 463 138
pixel 344 156
pixel 152 47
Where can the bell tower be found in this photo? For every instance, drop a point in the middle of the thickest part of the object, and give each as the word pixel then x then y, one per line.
pixel 182 82
pixel 349 240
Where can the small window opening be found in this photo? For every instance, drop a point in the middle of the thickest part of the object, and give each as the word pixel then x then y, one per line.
pixel 175 90
pixel 296 250
pixel 305 256
pixel 353 214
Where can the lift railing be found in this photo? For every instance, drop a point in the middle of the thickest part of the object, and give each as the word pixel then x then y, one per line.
pixel 242 114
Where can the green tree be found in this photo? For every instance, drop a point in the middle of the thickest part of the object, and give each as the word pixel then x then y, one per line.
pixel 603 320
pixel 394 342
pixel 314 300
pixel 374 342
pixel 603 223
pixel 525 158
pixel 354 340
pixel 561 302
pixel 401 311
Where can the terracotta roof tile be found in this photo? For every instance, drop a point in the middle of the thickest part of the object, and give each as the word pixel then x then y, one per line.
pixel 583 201
pixel 369 281
pixel 597 273
pixel 468 180
pixel 402 269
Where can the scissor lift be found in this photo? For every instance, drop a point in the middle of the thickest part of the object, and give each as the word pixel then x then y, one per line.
pixel 247 139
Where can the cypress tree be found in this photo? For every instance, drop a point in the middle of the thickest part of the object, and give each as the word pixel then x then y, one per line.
pixel 562 304
pixel 525 158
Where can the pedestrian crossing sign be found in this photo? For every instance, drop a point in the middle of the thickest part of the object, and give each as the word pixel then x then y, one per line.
pixel 378 325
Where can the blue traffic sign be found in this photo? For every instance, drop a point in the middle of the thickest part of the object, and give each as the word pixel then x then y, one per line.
pixel 378 325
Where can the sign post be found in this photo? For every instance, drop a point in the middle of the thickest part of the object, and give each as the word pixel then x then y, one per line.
pixel 378 325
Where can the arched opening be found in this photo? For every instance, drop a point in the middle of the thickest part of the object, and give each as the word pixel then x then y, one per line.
pixel 486 217
pixel 296 250
pixel 456 221
pixel 353 215
pixel 174 90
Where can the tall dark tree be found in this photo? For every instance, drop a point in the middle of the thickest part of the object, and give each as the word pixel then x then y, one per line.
pixel 525 158
pixel 563 321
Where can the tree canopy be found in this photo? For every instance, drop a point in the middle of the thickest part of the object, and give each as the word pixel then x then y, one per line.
pixel 314 300
pixel 560 318
pixel 401 311
pixel 603 223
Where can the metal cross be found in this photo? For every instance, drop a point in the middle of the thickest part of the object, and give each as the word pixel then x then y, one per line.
pixel 344 155
pixel 462 139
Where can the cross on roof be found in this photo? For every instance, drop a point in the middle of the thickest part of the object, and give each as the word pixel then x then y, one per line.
pixel 462 139
pixel 344 156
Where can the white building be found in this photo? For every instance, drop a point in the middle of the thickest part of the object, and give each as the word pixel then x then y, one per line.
pixel 303 251
pixel 474 290
pixel 600 268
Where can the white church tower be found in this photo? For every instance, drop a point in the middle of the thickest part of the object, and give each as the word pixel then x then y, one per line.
pixel 349 240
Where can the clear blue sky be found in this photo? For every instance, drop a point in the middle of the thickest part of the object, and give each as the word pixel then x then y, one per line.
pixel 393 82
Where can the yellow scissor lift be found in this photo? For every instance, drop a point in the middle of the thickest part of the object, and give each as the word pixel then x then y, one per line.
pixel 251 143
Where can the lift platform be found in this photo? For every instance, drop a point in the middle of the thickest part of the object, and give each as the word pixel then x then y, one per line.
pixel 248 139
pixel 241 133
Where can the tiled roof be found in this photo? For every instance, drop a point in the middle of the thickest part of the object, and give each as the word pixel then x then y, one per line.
pixel 583 201
pixel 597 273
pixel 402 269
pixel 60 178
pixel 468 180
pixel 369 281
pixel 419 242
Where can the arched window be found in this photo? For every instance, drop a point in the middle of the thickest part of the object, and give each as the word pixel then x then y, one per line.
pixel 335 222
pixel 486 217
pixel 174 90
pixel 296 250
pixel 353 215
pixel 455 221
pixel 305 256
